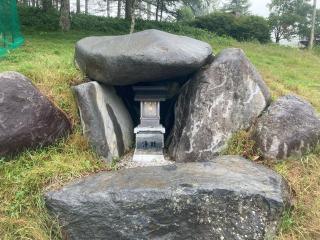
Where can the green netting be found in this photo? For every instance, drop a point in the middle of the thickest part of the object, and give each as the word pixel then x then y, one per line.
pixel 10 35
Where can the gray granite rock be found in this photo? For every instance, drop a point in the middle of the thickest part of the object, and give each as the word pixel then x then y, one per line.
pixel 226 96
pixel 226 198
pixel 105 120
pixel 150 55
pixel 290 126
pixel 28 119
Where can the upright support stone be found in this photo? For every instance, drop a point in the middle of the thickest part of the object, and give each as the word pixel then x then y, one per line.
pixel 105 120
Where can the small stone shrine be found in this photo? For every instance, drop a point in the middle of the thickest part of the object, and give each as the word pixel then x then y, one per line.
pixel 149 133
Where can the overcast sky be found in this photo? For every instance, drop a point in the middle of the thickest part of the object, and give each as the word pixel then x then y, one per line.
pixel 259 7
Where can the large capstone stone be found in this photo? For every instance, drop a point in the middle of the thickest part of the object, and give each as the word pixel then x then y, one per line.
pixel 226 198
pixel 105 120
pixel 150 55
pixel 226 96
pixel 27 118
pixel 289 127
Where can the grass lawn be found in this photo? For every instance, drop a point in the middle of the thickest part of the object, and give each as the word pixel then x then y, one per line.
pixel 47 59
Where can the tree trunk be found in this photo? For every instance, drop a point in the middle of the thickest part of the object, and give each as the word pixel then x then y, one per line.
pixel 311 40
pixel 119 9
pixel 86 6
pixel 128 9
pixel 161 10
pixel 139 9
pixel 157 11
pixel 78 6
pixel 277 36
pixel 65 15
pixel 108 8
pixel 133 16
pixel 148 10
pixel 46 5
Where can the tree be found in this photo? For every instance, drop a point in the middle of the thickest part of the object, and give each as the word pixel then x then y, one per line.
pixel 285 17
pixel 185 14
pixel 128 9
pixel 148 10
pixel 78 6
pixel 119 9
pixel 237 7
pixel 311 40
pixel 133 15
pixel 65 15
pixel 201 7
pixel 86 6
pixel 46 5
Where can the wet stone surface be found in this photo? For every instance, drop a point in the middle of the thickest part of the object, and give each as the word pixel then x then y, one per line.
pixel 222 98
pixel 28 119
pixel 226 198
pixel 145 56
pixel 289 127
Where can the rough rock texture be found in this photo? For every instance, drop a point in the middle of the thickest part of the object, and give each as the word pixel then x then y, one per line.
pixel 149 55
pixel 105 120
pixel 27 117
pixel 290 126
pixel 219 100
pixel 226 198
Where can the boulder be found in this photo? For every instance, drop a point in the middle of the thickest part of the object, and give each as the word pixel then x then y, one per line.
pixel 226 198
pixel 290 126
pixel 226 96
pixel 150 55
pixel 27 118
pixel 105 120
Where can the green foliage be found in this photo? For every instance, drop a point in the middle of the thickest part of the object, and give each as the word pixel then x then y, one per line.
pixel 237 7
pixel 35 18
pixel 287 17
pixel 243 28
pixel 185 14
pixel 100 24
pixel 253 28
pixel 304 26
pixel 201 7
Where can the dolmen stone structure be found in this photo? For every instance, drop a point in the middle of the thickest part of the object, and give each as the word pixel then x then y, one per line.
pixel 28 119
pixel 202 195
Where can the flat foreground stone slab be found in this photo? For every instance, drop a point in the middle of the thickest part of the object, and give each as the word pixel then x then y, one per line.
pixel 226 198
pixel 150 55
